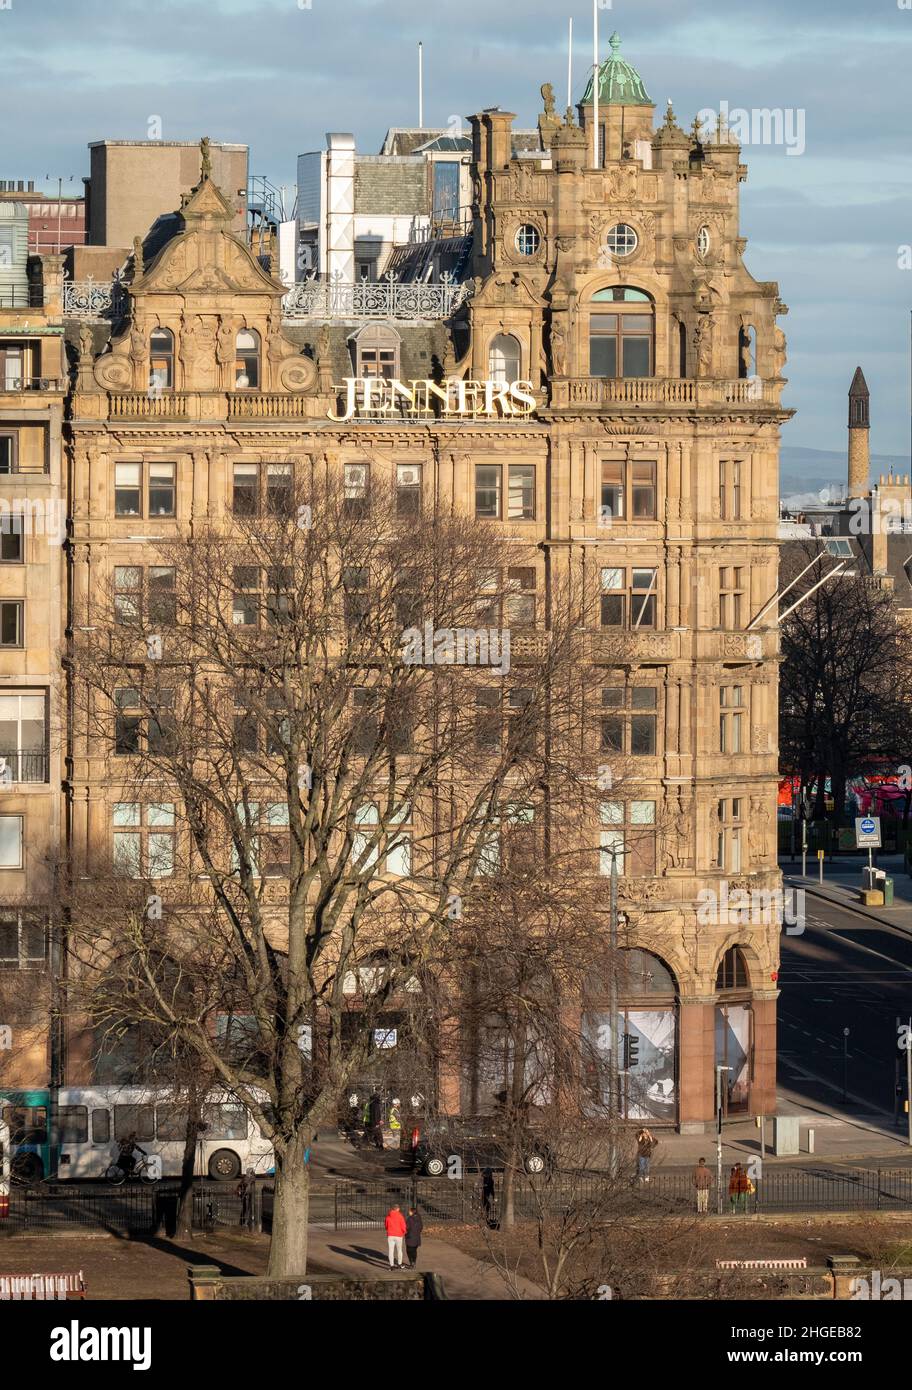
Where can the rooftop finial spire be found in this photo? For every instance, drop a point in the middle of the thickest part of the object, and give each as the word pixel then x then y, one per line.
pixel 615 42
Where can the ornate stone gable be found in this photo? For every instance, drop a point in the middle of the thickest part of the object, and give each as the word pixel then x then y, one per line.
pixel 204 287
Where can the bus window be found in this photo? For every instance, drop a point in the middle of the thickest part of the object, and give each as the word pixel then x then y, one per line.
pixel 27 1123
pixel 171 1122
pixel 134 1119
pixel 225 1122
pixel 74 1124
pixel 101 1127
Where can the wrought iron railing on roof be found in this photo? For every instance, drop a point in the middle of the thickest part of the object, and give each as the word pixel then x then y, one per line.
pixel 402 301
pixel 99 300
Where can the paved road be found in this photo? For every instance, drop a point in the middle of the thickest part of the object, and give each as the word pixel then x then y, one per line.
pixel 845 971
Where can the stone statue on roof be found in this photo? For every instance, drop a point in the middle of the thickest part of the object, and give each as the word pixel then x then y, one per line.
pixel 205 158
pixel 138 265
pixel 549 121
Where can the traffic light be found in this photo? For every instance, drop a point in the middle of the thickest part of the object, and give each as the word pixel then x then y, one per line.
pixel 631 1051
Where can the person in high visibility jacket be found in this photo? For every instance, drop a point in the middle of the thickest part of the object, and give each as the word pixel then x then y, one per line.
pixel 395 1119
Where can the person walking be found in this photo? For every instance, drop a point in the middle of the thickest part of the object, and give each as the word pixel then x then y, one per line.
pixel 487 1195
pixel 246 1190
pixel 375 1112
pixel 739 1185
pixel 702 1181
pixel 395 1230
pixel 646 1147
pixel 413 1228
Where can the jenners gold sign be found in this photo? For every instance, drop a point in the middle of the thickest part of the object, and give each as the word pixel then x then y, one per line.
pixel 450 399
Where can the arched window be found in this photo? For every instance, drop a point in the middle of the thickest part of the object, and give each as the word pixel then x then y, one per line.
pixel 747 352
pixel 247 360
pixel 732 972
pixel 734 1033
pixel 161 365
pixel 621 322
pixel 643 1081
pixel 377 352
pixel 504 358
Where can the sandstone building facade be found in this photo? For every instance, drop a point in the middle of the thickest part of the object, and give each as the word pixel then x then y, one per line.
pixel 644 465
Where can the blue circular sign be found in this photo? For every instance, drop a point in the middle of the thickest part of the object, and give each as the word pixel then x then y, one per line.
pixel 867 826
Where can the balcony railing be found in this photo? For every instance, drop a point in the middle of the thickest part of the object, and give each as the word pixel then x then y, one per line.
pixel 13 384
pixel 15 298
pixel 254 406
pixel 94 300
pixel 16 468
pixel 141 405
pixel 570 392
pixel 403 302
pixel 22 766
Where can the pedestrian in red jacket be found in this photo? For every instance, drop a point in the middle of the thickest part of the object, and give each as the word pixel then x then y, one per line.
pixel 395 1230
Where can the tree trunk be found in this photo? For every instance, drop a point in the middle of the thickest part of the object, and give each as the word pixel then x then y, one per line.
pixel 184 1225
pixel 515 1114
pixel 185 1195
pixel 291 1210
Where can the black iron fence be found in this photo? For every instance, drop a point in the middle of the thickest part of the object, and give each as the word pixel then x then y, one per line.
pixel 139 1210
pixel 778 1191
pixel 134 1210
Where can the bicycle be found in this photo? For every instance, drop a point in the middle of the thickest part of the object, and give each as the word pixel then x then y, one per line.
pixel 145 1169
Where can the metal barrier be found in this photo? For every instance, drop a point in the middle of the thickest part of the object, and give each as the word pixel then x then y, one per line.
pixel 134 1210
pixel 779 1191
pixel 352 1204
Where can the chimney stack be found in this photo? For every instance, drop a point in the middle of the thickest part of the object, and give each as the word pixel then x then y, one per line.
pixel 859 435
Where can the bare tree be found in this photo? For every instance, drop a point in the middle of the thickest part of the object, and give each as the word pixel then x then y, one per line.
pixel 843 709
pixel 327 703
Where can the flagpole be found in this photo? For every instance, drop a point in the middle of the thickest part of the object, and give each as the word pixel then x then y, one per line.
pixel 570 66
pixel 595 87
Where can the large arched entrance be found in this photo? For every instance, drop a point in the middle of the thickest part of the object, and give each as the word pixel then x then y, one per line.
pixel 644 1085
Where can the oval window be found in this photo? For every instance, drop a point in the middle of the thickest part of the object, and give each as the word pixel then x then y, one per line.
pixel 703 240
pixel 528 239
pixel 621 240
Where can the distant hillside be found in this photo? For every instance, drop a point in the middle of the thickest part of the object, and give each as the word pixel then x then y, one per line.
pixel 803 472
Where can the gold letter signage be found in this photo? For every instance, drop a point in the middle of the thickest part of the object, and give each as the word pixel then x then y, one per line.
pixel 374 396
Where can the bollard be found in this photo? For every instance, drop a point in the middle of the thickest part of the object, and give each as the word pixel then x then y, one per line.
pixel 810 1141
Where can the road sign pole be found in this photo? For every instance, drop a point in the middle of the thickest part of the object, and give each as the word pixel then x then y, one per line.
pixel 897 1085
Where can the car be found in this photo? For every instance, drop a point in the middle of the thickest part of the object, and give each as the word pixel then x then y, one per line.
pixel 477 1142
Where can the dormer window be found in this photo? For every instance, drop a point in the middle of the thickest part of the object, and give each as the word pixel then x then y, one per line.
pixel 161 367
pixel 247 360
pixel 377 352
pixel 504 359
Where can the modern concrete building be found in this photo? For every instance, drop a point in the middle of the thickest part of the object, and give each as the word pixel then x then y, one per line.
pixel 132 182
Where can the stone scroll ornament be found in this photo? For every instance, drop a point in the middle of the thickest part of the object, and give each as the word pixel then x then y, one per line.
pixel 116 369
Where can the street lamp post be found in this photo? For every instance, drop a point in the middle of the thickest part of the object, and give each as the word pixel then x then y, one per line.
pixel 614 1077
pixel 845 1064
pixel 909 1078
pixel 719 1071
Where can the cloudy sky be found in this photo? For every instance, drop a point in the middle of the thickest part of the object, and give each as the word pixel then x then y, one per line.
pixel 828 223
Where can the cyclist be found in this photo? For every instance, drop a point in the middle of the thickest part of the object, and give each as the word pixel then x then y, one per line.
pixel 125 1159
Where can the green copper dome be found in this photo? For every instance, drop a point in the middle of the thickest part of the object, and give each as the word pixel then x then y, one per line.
pixel 619 83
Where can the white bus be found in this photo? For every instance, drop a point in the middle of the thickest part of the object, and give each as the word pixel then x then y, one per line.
pixel 93 1120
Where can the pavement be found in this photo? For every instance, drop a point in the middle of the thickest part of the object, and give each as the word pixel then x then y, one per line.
pixel 364 1255
pixel 853 1131
pixel 842 883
